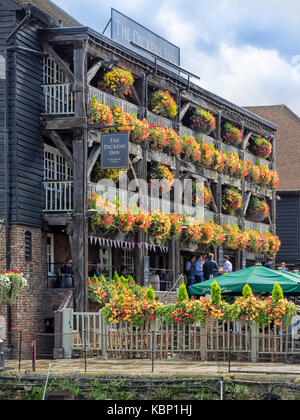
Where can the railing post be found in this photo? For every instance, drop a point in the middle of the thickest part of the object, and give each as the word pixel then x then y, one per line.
pixel 67 332
pixel 103 336
pixel 254 342
pixel 203 341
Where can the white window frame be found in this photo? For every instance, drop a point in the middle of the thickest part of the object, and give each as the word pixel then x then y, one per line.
pixel 50 254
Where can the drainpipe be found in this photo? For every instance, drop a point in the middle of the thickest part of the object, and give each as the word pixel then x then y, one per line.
pixel 6 158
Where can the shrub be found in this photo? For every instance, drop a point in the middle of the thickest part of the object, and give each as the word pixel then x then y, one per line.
pixel 215 293
pixel 277 293
pixel 150 295
pixel 247 291
pixel 182 293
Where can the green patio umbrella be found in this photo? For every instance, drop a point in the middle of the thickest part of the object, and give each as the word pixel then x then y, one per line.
pixel 260 279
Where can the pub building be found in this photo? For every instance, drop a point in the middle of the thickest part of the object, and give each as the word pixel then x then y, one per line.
pixel 51 157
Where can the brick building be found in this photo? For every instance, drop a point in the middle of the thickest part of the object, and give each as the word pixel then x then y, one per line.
pixel 287 160
pixel 53 67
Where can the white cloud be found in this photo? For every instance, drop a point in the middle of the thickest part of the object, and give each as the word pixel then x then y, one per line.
pixel 240 50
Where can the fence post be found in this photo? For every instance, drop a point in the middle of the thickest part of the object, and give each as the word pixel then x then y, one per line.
pixel 254 342
pixel 203 341
pixel 103 336
pixel 67 332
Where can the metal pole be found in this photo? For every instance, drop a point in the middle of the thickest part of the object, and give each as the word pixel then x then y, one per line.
pixel 20 349
pixel 153 338
pixel 44 394
pixel 221 389
pixel 33 355
pixel 229 351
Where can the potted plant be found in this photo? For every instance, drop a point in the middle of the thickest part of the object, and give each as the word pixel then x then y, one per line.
pixel 11 283
pixel 102 115
pixel 203 121
pixel 162 172
pixel 117 82
pixel 162 103
pixel 231 200
pixel 232 135
pixel 257 210
pixel 139 129
pixel 261 147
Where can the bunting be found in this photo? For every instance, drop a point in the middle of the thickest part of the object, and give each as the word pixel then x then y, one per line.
pixel 94 240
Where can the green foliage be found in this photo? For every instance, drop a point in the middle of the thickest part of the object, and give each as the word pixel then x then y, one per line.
pixel 182 293
pixel 215 293
pixel 247 291
pixel 277 293
pixel 150 295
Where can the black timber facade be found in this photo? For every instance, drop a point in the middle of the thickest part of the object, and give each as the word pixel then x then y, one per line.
pixel 78 51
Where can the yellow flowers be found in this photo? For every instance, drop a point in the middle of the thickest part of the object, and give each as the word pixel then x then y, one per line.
pixel 162 103
pixel 118 82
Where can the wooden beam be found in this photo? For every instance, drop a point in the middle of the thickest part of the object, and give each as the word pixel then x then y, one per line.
pixel 135 96
pixel 67 123
pixel 246 203
pixel 183 110
pixel 93 159
pixel 213 201
pixel 49 50
pixel 57 140
pixel 246 140
pixel 93 71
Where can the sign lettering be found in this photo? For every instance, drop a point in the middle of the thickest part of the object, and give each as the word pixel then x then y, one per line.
pixel 125 30
pixel 114 151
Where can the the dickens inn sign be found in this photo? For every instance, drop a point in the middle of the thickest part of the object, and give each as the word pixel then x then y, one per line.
pixel 129 33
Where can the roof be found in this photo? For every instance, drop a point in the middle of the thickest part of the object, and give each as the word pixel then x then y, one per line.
pixel 55 12
pixel 283 107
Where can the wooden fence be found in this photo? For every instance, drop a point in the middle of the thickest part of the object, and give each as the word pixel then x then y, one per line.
pixel 211 341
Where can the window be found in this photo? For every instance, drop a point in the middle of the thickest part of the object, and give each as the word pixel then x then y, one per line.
pixel 28 246
pixel 58 181
pixel 128 261
pixel 56 167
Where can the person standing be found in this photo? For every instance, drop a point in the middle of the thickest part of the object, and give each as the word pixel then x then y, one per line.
pixel 269 263
pixel 198 270
pixel 191 271
pixel 66 274
pixel 227 266
pixel 164 278
pixel 210 268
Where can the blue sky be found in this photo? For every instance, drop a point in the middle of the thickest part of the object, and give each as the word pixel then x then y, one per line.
pixel 246 51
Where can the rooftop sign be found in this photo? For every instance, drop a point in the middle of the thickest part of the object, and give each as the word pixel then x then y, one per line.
pixel 127 32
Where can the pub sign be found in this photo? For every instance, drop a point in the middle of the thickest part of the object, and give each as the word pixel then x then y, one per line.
pixel 114 151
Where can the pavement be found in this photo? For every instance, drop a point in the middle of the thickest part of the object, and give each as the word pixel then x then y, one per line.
pixel 162 369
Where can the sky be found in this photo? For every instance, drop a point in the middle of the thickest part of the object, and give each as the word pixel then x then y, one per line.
pixel 246 51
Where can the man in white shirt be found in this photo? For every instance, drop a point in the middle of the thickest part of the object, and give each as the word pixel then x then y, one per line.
pixel 227 266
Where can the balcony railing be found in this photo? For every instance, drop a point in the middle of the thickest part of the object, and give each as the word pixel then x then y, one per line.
pixel 59 99
pixel 106 99
pixel 58 196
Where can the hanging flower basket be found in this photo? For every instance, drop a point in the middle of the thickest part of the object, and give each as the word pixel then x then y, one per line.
pixel 162 172
pixel 257 210
pixel 162 103
pixel 11 283
pixel 232 135
pixel 102 115
pixel 261 147
pixel 231 201
pixel 117 82
pixel 203 121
